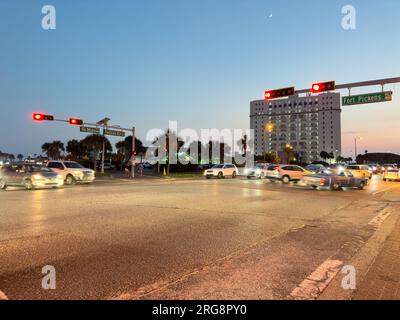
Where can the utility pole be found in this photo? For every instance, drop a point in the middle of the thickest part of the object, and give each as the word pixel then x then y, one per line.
pixel 104 123
pixel 133 158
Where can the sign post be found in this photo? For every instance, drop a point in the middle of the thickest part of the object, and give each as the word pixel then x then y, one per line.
pixel 367 98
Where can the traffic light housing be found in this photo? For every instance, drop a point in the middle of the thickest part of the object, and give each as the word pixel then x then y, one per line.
pixel 323 86
pixel 279 93
pixel 75 122
pixel 42 117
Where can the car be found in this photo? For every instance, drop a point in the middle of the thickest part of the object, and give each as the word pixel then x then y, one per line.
pixel 376 168
pixel 259 171
pixel 334 180
pixel 315 167
pixel 72 172
pixel 107 166
pixel 360 170
pixel 391 175
pixel 389 166
pixel 286 173
pixel 29 176
pixel 221 171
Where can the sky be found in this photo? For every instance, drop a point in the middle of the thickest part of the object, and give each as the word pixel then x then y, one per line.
pixel 145 62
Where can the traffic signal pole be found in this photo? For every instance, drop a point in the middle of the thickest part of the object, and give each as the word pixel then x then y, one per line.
pixel 103 124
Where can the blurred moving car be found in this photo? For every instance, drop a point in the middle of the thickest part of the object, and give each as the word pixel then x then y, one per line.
pixel 72 171
pixel 29 176
pixel 315 168
pixel 360 170
pixel 391 175
pixel 259 171
pixel 286 173
pixel 376 168
pixel 221 171
pixel 389 166
pixel 334 180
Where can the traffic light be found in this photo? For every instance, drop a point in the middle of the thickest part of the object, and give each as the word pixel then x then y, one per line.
pixel 278 93
pixel 75 122
pixel 323 86
pixel 42 117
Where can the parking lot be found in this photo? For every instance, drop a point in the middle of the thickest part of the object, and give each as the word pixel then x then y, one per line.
pixel 193 238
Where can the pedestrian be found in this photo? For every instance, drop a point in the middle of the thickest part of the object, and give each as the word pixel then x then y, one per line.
pixel 128 171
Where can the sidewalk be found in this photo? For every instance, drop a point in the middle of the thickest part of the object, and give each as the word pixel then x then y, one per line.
pixel 382 280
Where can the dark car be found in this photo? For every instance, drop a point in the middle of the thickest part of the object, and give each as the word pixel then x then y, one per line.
pixel 29 176
pixel 334 180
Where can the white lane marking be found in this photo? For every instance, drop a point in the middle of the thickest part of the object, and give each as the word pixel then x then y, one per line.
pixel 383 190
pixel 3 296
pixel 316 282
pixel 379 218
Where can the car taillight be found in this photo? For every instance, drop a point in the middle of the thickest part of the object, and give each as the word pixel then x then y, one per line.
pixel 322 182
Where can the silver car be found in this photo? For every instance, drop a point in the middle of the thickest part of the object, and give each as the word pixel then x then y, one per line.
pixel 29 176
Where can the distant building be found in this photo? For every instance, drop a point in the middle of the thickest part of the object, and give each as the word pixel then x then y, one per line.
pixel 380 158
pixel 310 124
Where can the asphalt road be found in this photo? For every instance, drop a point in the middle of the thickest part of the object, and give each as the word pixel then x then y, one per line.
pixel 148 239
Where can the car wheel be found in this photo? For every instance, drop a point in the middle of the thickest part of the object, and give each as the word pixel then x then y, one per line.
pixel 208 177
pixel 384 179
pixel 248 177
pixel 3 184
pixel 361 186
pixel 69 180
pixel 234 175
pixel 28 184
pixel 220 175
pixel 285 179
pixel 314 187
pixel 335 187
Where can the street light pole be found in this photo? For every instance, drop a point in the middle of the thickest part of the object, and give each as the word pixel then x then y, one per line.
pixel 133 160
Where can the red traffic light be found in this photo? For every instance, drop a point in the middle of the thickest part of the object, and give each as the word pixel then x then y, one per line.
pixel 42 117
pixel 278 93
pixel 75 122
pixel 323 86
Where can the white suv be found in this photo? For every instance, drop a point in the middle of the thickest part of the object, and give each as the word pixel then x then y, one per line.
pixel 72 171
pixel 221 171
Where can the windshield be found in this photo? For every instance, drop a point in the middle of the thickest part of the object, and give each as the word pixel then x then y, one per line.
pixel 218 166
pixel 38 169
pixel 73 165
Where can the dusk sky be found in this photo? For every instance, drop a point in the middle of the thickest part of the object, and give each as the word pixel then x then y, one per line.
pixel 144 63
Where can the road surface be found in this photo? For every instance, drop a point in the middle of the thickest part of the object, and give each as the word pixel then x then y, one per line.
pixel 183 239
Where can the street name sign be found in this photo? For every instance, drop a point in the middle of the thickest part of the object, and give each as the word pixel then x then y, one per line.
pixel 116 133
pixel 367 98
pixel 90 130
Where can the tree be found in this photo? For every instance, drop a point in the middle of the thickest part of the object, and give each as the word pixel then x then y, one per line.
pixel 53 149
pixel 340 159
pixel 94 144
pixel 324 155
pixel 124 148
pixel 271 157
pixel 165 138
pixel 20 157
pixel 76 149
pixel 331 156
pixel 11 157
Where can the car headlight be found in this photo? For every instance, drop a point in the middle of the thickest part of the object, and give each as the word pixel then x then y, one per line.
pixel 60 177
pixel 258 171
pixel 78 173
pixel 246 171
pixel 37 177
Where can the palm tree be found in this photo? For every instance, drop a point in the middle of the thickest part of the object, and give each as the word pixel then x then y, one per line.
pixel 324 155
pixel 124 148
pixel 53 149
pixel 20 157
pixel 166 138
pixel 76 149
pixel 94 144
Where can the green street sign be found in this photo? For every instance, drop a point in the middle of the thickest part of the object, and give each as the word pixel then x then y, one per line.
pixel 367 98
pixel 116 133
pixel 90 130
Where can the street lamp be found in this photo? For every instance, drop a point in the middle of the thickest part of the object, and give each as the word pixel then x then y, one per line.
pixel 355 147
